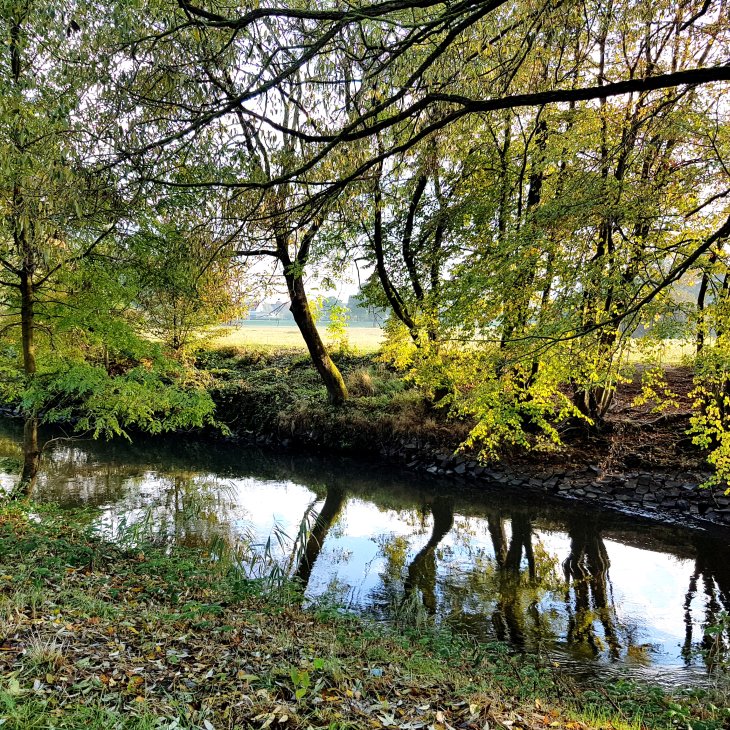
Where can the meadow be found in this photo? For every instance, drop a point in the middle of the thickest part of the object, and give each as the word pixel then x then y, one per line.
pixel 286 335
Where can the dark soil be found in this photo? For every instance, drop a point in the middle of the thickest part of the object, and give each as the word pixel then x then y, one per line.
pixel 644 436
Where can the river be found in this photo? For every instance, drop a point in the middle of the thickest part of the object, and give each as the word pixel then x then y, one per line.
pixel 595 591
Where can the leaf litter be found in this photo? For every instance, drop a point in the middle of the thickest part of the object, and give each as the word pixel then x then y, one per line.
pixel 151 633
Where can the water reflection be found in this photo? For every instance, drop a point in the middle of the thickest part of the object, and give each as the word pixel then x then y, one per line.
pixel 711 573
pixel 595 589
pixel 421 573
pixel 333 503
pixel 588 598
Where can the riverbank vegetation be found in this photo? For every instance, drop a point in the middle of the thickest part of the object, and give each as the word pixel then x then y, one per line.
pixel 149 635
pixel 531 193
pixel 273 395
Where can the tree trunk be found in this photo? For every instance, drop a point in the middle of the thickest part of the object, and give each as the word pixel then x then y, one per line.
pixel 31 450
pixel 335 384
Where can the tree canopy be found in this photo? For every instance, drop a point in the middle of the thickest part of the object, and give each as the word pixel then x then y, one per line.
pixel 528 180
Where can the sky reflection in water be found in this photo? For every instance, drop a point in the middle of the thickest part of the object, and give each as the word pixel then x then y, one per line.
pixel 587 589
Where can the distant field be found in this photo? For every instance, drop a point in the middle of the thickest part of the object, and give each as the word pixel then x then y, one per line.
pixel 365 339
pixel 666 352
pixel 369 339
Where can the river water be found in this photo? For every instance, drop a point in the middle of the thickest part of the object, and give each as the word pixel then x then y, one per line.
pixel 598 592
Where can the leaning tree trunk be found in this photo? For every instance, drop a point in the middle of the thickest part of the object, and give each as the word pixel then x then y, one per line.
pixel 31 449
pixel 331 376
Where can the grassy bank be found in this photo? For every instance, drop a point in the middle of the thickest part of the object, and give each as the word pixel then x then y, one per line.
pixel 97 636
pixel 278 392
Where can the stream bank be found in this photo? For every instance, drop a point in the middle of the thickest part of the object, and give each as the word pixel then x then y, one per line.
pixel 148 635
pixel 642 463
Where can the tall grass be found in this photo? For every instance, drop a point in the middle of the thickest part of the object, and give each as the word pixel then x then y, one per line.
pixel 269 562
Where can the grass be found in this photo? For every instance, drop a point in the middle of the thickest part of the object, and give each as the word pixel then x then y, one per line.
pixel 274 336
pixel 101 637
pixel 669 352
pixel 278 392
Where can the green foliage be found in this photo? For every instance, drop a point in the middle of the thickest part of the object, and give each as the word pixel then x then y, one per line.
pixel 301 680
pixel 710 423
pixel 185 280
pixel 519 249
pixel 9 465
pixel 152 397
pixel 110 390
pixel 398 350
pixel 339 318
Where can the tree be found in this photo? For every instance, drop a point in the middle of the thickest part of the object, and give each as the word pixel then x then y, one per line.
pixel 185 278
pixel 54 212
pixel 63 302
pixel 580 221
pixel 413 232
pixel 319 84
pixel 280 222
pixel 432 45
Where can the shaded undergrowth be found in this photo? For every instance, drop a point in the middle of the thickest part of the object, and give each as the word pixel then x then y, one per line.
pixel 278 392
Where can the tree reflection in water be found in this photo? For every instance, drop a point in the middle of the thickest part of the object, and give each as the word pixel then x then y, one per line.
pixel 509 617
pixel 491 596
pixel 712 570
pixel 186 509
pixel 422 569
pixel 334 502
pixel 586 570
pixel 486 564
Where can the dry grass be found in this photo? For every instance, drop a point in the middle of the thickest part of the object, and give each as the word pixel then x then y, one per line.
pixel 360 382
pixel 363 339
pixel 44 652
